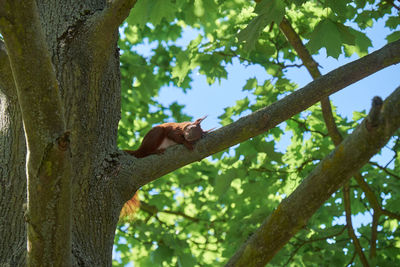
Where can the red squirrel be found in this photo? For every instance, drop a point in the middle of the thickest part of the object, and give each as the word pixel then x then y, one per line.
pixel 157 140
pixel 168 134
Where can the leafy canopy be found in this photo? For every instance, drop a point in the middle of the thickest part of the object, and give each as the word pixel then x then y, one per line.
pixel 202 213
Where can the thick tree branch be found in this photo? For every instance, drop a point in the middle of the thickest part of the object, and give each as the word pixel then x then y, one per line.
pixel 134 173
pixel 294 212
pixel 330 123
pixel 7 85
pixel 115 12
pixel 103 27
pixel 37 87
pixel 48 162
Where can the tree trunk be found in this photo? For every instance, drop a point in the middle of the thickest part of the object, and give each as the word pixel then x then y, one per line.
pixel 90 93
pixel 12 184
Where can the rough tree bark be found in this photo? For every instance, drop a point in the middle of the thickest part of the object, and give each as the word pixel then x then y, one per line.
pixel 339 166
pixel 12 169
pixel 81 41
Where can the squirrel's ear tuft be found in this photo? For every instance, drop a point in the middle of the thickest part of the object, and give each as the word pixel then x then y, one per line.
pixel 198 121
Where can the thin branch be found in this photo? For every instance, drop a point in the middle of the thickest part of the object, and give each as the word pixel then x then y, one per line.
pixel 234 54
pixel 394 151
pixel 330 123
pixel 374 235
pixel 391 2
pixel 391 214
pixel 294 212
pixel 133 174
pixel 153 210
pixel 349 223
pixel 303 125
pixel 311 241
pixel 263 169
pixel 384 169
pixel 312 67
pixel 304 164
pixel 373 201
pixel 285 66
pixel 300 49
pixel 352 259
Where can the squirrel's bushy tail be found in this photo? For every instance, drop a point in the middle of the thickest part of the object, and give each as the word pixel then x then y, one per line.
pixel 130 207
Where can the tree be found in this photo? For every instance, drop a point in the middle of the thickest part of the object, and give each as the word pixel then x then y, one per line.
pixel 61 93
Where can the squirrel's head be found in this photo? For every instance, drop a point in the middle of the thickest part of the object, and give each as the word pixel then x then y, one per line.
pixel 193 132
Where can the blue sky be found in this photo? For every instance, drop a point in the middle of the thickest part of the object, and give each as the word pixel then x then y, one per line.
pixel 208 99
pixel 204 99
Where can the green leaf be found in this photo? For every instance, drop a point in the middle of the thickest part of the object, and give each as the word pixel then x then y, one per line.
pixel 250 84
pixel 326 34
pixel 152 11
pixel 299 2
pixel 186 260
pixel 362 43
pixel 392 22
pixel 182 67
pixel 364 20
pixel 391 224
pixel 211 66
pixel 346 34
pixel 273 8
pixel 195 42
pixel 339 7
pixel 268 11
pixel 393 37
pixel 223 183
pixel 161 254
pixel 241 105
pixel 358 115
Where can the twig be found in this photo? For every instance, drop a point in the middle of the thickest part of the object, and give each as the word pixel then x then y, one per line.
pixel 374 234
pixel 384 169
pixel 304 126
pixel 356 242
pixel 311 241
pixel 153 210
